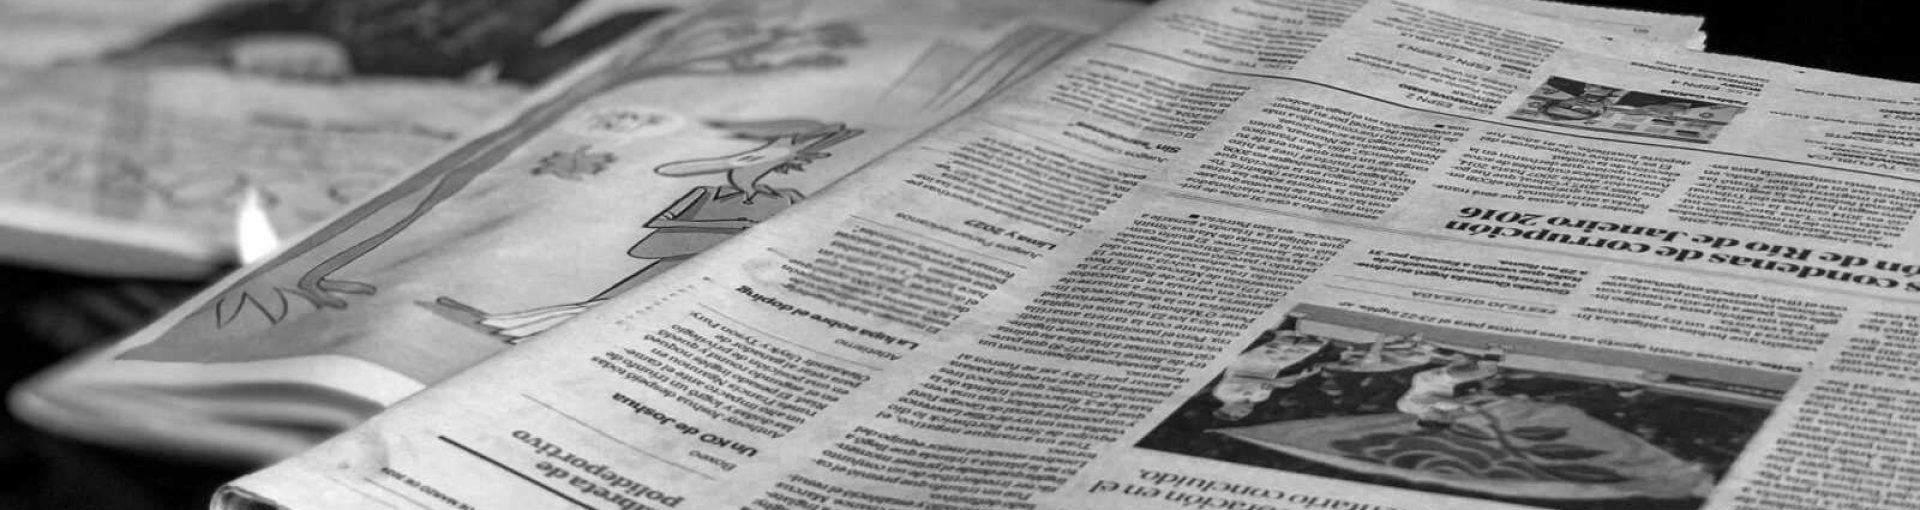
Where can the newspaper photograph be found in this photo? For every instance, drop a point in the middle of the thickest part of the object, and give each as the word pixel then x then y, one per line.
pixel 1379 400
pixel 1602 108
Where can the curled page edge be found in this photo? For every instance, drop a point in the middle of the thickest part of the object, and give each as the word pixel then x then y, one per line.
pixel 1650 24
pixel 230 497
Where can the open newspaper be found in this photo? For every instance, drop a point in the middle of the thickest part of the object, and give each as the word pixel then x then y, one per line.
pixel 629 168
pixel 134 133
pixel 1255 254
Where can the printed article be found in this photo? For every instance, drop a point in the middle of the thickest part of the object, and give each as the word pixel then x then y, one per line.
pixel 1251 255
pixel 398 302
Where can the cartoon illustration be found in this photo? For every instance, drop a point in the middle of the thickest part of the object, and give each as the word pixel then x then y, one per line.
pixel 703 218
pixel 575 164
pixel 727 38
pixel 368 285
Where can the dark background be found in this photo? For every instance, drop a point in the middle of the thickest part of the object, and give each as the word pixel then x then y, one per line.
pixel 45 316
pixel 1872 38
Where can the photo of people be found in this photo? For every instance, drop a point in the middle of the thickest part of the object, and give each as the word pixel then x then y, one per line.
pixel 1362 397
pixel 1573 103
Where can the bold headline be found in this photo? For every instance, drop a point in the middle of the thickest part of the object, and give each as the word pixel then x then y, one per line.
pixel 1198 493
pixel 830 322
pixel 1683 247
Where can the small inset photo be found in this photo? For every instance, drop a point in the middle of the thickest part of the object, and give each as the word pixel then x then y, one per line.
pixel 1574 103
pixel 1367 398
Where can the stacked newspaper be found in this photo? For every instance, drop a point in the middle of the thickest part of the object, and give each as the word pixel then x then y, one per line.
pixel 1235 254
pixel 459 262
pixel 1241 254
pixel 137 133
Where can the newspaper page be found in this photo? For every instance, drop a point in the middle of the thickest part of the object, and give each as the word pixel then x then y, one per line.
pixel 1231 257
pixel 131 172
pixel 674 142
pixel 422 324
pixel 137 132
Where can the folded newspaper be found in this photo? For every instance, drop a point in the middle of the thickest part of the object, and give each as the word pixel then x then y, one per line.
pixel 132 134
pixel 1241 254
pixel 461 261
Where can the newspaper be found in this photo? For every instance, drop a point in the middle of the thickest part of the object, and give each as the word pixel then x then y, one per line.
pixel 166 114
pixel 472 284
pixel 1255 254
pixel 133 131
pixel 132 172
pixel 681 137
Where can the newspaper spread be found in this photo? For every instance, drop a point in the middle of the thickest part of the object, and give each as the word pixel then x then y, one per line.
pixel 312 341
pixel 131 132
pixel 1231 256
pixel 136 129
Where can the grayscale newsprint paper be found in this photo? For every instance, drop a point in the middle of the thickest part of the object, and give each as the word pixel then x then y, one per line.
pixel 1253 254
pixel 688 133
pixel 134 132
pixel 675 140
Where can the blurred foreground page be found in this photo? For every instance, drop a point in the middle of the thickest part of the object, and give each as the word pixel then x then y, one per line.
pixel 132 130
